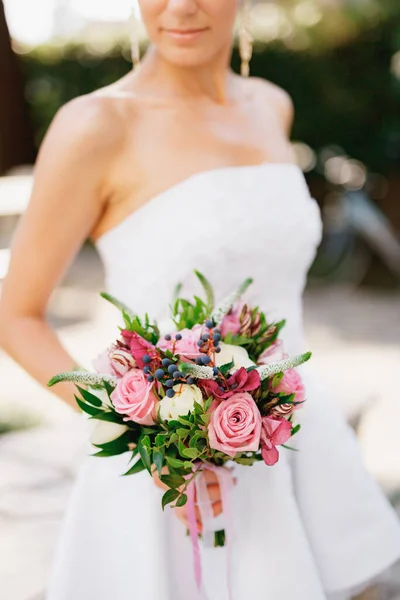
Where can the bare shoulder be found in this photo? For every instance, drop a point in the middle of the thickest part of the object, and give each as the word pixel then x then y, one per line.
pixel 277 98
pixel 84 124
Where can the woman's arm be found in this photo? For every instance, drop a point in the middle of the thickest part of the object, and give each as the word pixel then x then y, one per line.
pixel 69 195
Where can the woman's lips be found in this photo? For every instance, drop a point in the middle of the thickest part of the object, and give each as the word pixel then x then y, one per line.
pixel 184 35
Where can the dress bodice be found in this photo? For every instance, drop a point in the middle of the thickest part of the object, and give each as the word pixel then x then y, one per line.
pixel 229 223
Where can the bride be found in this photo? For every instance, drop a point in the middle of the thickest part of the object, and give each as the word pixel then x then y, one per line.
pixel 179 165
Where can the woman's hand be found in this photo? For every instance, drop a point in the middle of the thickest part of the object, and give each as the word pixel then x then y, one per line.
pixel 214 493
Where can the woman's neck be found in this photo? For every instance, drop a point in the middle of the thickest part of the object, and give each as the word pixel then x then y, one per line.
pixel 212 80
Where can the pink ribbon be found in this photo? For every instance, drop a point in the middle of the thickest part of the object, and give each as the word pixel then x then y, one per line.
pixel 199 486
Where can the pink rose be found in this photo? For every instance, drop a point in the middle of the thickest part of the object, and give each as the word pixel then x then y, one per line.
pixel 235 425
pixel 240 381
pixel 138 346
pixel 187 346
pixel 274 353
pixel 231 321
pixel 291 384
pixel 134 397
pixel 275 432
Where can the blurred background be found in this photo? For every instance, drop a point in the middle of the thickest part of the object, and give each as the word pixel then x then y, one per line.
pixel 340 61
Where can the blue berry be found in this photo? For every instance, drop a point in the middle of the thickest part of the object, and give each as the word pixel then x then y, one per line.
pixel 159 374
pixel 178 337
pixel 215 370
pixel 205 337
pixel 165 362
pixel 205 359
pixel 171 369
pixel 217 331
pixel 199 343
pixel 176 375
pixel 150 378
pixel 217 337
pixel 146 369
pixel 146 359
pixel 209 323
pixel 217 349
pixel 167 337
pixel 191 381
pixel 170 393
pixel 170 383
pixel 199 360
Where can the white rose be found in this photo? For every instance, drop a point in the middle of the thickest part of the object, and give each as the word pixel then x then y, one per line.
pixel 182 403
pixel 230 353
pixel 103 432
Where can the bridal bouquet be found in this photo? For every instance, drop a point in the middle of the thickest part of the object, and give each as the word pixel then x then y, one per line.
pixel 218 388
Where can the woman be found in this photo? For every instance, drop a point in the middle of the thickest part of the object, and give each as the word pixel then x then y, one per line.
pixel 181 165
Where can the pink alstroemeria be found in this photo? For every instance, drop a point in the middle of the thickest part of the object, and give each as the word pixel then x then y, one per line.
pixel 274 432
pixel 138 346
pixel 240 381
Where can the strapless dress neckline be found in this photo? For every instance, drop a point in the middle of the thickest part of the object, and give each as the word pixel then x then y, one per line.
pixel 192 179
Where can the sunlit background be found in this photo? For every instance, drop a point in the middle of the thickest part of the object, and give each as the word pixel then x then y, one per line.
pixel 340 61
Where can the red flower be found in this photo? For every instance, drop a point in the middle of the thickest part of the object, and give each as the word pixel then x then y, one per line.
pixel 138 346
pixel 240 381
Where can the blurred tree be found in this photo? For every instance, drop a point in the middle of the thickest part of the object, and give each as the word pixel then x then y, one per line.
pixel 16 137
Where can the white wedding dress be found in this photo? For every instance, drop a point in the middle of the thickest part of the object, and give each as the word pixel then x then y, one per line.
pixel 312 527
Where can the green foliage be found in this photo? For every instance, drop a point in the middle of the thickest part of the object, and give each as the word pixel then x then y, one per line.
pixel 148 330
pixel 188 314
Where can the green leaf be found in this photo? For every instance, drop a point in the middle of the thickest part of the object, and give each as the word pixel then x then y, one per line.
pixel 289 448
pixel 161 438
pixel 127 320
pixel 102 454
pixel 277 379
pixel 207 289
pixel 87 408
pixel 117 303
pixel 224 369
pixel 169 497
pixel 158 460
pixel 190 452
pixel 89 397
pixel 109 416
pixel 183 433
pixel 175 462
pixel 296 429
pixel 205 418
pixel 109 388
pixel 118 446
pixel 181 500
pixel 172 481
pixel 144 454
pixel 185 421
pixel 137 468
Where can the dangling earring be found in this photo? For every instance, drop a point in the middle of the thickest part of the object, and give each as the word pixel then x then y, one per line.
pixel 245 40
pixel 135 43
